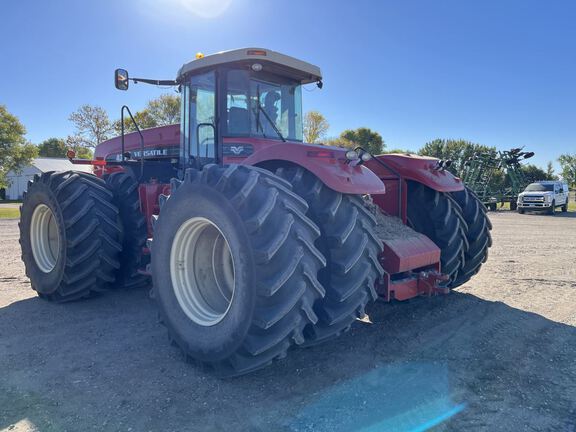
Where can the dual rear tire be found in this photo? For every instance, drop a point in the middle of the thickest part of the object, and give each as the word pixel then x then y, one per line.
pixel 457 223
pixel 284 262
pixel 126 198
pixel 70 235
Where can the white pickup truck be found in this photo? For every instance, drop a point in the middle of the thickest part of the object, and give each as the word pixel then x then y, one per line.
pixel 544 196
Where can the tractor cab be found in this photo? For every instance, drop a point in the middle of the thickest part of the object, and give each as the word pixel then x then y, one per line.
pixel 244 93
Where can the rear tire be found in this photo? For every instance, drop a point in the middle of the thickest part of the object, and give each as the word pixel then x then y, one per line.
pixel 263 309
pixel 351 247
pixel 437 216
pixel 70 235
pixel 565 207
pixel 477 235
pixel 134 230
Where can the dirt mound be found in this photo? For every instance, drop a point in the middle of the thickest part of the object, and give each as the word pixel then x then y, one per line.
pixel 388 227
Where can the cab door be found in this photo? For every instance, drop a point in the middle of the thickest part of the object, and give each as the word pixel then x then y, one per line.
pixel 199 120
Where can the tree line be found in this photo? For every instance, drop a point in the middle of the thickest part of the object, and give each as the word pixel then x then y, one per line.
pixel 92 125
pixel 457 150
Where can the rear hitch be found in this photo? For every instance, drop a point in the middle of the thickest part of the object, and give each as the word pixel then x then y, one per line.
pixel 413 284
pixel 429 283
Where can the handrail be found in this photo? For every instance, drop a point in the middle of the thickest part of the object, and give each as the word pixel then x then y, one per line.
pixel 125 107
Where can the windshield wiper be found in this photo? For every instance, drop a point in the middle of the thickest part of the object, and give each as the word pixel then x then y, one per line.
pixel 271 122
pixel 267 117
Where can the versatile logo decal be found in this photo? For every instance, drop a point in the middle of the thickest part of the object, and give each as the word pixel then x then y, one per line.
pixel 237 149
pixel 149 153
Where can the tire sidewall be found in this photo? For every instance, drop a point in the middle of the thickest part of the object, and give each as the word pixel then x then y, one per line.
pixel 44 283
pixel 215 342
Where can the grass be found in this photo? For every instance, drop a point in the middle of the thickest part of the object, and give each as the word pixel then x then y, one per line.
pixel 9 213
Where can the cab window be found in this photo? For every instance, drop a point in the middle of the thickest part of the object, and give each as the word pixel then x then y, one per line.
pixel 202 117
pixel 267 107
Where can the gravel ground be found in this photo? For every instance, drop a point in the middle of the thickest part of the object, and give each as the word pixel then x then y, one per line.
pixel 496 355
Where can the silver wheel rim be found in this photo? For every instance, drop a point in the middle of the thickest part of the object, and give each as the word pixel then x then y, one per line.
pixel 44 238
pixel 202 271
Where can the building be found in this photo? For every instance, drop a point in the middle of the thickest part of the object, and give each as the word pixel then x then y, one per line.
pixel 18 182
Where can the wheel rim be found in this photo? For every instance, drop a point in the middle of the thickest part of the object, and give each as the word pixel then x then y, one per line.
pixel 44 238
pixel 202 271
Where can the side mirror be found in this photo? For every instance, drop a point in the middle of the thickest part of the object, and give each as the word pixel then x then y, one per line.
pixel 121 79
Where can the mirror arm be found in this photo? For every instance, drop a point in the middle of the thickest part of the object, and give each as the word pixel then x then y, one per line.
pixel 155 82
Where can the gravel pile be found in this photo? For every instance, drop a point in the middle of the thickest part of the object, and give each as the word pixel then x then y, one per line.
pixel 388 227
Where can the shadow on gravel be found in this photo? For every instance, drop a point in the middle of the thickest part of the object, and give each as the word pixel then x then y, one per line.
pixel 468 363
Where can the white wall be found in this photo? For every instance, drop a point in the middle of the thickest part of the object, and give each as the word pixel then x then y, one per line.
pixel 19 182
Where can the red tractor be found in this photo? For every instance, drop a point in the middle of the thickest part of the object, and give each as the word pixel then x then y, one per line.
pixel 255 242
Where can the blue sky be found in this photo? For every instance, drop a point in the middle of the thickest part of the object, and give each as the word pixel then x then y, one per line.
pixel 497 72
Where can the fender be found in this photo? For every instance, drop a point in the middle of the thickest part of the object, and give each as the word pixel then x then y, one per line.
pixel 329 164
pixel 421 169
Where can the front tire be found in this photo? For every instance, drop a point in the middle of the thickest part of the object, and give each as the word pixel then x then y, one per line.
pixel 552 210
pixel 243 233
pixel 351 247
pixel 69 234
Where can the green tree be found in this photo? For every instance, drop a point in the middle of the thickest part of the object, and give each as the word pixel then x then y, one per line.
pixel 143 119
pixel 15 151
pixel 165 109
pixel 82 152
pixel 339 142
pixel 458 151
pixel 315 127
pixel 52 147
pixel 568 165
pixel 161 111
pixel 550 174
pixel 532 173
pixel 400 151
pixel 92 126
pixel 363 137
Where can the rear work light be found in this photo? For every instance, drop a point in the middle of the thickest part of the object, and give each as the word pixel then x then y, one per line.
pixel 321 154
pixel 256 52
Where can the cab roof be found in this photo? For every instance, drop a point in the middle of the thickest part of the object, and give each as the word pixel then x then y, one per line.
pixel 271 61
